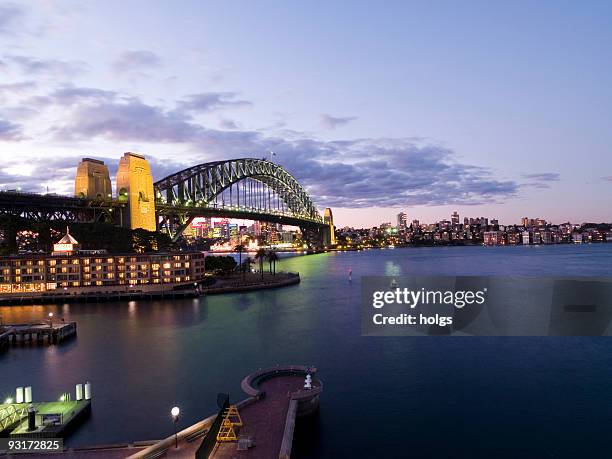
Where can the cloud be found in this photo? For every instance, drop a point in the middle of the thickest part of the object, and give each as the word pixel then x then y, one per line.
pixel 332 122
pixel 209 101
pixel 10 131
pixel 541 180
pixel 544 176
pixel 35 176
pixel 69 95
pixel 11 16
pixel 127 120
pixel 20 86
pixel 228 124
pixel 34 66
pixel 134 62
pixel 58 172
pixel 608 178
pixel 372 172
pixel 342 174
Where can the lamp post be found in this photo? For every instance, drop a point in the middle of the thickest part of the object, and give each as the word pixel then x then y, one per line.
pixel 51 320
pixel 175 415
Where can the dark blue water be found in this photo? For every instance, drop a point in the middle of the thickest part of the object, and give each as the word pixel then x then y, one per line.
pixel 384 397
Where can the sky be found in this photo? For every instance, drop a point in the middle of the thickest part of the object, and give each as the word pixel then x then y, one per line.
pixel 494 109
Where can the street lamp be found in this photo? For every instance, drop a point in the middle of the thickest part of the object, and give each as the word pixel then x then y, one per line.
pixel 175 415
pixel 50 319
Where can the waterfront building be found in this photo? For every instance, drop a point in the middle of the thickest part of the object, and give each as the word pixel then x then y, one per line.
pixel 494 238
pixel 546 237
pixel 70 268
pixel 402 221
pixel 536 238
pixel 526 235
pixel 455 219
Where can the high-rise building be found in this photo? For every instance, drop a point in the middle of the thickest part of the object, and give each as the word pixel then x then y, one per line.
pixel 525 222
pixel 402 220
pixel 455 219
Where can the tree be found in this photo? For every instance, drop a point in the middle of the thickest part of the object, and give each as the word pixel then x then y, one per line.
pixel 240 249
pixel 272 257
pixel 246 264
pixel 221 264
pixel 261 256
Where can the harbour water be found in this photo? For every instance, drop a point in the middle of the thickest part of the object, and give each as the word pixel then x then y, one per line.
pixel 384 396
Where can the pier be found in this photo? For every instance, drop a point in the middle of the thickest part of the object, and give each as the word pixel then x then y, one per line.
pixel 38 333
pixel 277 396
pixel 23 418
pixel 258 427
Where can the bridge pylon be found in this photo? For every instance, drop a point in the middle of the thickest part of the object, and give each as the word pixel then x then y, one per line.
pixel 135 186
pixel 329 231
pixel 92 180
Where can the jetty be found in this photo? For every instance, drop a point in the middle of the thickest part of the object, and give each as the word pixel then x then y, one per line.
pixel 23 418
pixel 36 333
pixel 259 427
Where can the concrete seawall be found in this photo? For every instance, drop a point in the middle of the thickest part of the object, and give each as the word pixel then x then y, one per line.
pixel 287 279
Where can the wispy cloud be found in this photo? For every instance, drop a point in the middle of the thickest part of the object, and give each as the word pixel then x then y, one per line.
pixel 544 176
pixel 608 178
pixel 136 62
pixel 127 120
pixel 30 65
pixel 10 131
pixel 332 122
pixel 209 101
pixel 11 16
pixel 337 173
pixel 541 180
pixel 17 87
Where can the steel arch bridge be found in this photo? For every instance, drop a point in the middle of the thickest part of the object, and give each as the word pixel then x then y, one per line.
pixel 249 188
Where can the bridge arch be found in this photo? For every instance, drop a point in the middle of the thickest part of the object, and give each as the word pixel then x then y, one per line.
pixel 201 186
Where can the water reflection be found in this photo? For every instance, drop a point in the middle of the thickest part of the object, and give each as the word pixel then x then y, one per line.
pixel 143 356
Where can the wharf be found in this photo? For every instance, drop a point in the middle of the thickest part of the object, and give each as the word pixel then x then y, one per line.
pixel 276 398
pixel 53 419
pixel 38 333
pixel 82 294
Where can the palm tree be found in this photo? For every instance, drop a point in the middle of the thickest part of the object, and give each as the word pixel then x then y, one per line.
pixel 261 255
pixel 240 249
pixel 272 257
pixel 248 261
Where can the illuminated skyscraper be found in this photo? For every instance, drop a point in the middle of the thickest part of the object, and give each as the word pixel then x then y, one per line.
pixel 402 220
pixel 455 219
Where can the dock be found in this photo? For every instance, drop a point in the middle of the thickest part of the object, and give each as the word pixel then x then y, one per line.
pixel 22 417
pixel 53 419
pixel 277 397
pixel 37 333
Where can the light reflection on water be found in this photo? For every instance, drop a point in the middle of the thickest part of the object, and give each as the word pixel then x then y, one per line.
pixel 142 357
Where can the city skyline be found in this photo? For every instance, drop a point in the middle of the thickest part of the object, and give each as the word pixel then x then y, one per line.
pixel 378 111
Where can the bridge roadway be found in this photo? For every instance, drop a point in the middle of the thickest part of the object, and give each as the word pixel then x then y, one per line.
pixel 44 207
